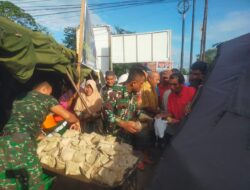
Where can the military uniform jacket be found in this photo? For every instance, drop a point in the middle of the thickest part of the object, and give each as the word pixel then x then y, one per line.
pixel 119 105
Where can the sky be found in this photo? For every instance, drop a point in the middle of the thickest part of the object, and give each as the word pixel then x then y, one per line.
pixel 227 19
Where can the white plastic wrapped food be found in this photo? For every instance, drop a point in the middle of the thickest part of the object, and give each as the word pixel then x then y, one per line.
pixel 72 168
pixel 67 153
pixel 70 133
pixel 92 155
pixel 48 160
pixel 60 164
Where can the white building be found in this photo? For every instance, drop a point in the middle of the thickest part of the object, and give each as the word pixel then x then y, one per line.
pixel 102 42
pixel 152 48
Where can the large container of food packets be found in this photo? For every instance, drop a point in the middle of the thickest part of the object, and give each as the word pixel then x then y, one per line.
pixel 90 158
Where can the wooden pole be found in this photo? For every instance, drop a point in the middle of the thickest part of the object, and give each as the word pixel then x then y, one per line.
pixel 78 92
pixel 205 30
pixel 182 41
pixel 192 36
pixel 203 34
pixel 81 41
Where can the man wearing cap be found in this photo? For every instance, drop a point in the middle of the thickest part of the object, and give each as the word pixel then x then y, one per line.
pixel 120 108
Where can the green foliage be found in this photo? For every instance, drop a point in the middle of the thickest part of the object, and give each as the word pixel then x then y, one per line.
pixel 70 37
pixel 184 71
pixel 120 69
pixel 209 55
pixel 18 15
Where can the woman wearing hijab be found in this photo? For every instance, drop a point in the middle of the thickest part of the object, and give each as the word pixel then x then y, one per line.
pixel 91 96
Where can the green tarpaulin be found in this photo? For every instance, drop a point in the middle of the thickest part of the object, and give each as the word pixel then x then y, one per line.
pixel 22 51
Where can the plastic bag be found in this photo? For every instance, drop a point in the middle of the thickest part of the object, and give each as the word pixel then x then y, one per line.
pixel 160 126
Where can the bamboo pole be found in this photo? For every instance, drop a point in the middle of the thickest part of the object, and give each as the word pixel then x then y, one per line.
pixel 80 41
pixel 78 92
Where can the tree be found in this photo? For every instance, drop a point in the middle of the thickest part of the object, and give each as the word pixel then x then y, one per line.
pixel 209 55
pixel 184 71
pixel 18 15
pixel 120 69
pixel 70 37
pixel 119 30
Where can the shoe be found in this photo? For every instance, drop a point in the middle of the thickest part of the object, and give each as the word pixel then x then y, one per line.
pixel 140 165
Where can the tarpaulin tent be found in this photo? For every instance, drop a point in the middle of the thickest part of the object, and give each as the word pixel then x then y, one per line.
pixel 22 51
pixel 212 150
pixel 27 55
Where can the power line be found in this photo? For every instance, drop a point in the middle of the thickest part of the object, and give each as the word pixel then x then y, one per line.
pixel 55 6
pixel 52 9
pixel 57 13
pixel 26 2
pixel 125 5
pixel 100 5
pixel 108 6
pixel 116 8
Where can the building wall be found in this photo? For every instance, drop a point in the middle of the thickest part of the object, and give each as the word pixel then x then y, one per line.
pixel 150 47
pixel 102 42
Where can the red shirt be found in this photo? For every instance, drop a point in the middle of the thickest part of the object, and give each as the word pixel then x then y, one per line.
pixel 161 90
pixel 178 102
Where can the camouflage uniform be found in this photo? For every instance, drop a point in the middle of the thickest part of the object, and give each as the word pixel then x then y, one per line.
pixel 119 105
pixel 105 90
pixel 19 165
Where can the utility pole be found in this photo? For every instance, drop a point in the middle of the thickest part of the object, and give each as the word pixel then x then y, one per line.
pixel 192 35
pixel 183 7
pixel 203 35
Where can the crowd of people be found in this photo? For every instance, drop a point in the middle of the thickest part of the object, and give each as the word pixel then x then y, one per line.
pixel 126 108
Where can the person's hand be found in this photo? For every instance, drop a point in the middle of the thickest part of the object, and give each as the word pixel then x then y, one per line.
pixel 95 115
pixel 40 137
pixel 131 126
pixel 144 117
pixel 76 126
pixel 158 116
pixel 188 108
pixel 172 120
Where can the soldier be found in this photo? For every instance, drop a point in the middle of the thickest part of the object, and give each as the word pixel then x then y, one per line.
pixel 110 79
pixel 19 164
pixel 120 109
